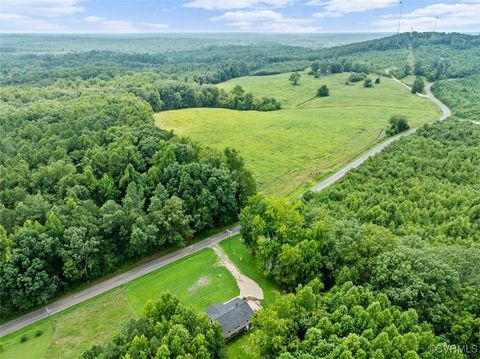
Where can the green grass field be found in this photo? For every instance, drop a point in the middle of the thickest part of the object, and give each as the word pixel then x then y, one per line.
pixel 308 139
pixel 70 333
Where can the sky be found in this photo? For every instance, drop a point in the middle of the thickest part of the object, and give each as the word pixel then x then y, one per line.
pixel 277 16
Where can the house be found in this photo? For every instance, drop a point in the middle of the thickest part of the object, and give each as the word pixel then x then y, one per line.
pixel 234 316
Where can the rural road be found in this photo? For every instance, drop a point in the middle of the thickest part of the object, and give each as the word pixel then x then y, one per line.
pixel 137 272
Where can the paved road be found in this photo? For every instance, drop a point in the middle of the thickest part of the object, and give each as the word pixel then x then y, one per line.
pixel 126 277
pixel 114 282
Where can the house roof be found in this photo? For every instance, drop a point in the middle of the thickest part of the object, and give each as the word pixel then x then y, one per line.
pixel 231 314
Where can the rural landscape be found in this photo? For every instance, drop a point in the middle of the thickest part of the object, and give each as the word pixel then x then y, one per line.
pixel 261 193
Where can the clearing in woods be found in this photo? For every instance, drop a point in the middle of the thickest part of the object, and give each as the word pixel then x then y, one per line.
pixel 311 137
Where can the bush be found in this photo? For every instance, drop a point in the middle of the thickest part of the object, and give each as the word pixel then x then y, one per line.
pixel 377 81
pixel 398 123
pixel 38 332
pixel 356 77
pixel 367 83
pixel 23 338
pixel 323 91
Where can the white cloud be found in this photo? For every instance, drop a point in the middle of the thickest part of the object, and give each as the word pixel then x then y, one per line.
pixel 265 21
pixel 36 15
pixel 106 25
pixel 337 8
pixel 155 25
pixel 118 26
pixel 48 8
pixel 20 23
pixel 250 16
pixel 450 17
pixel 94 18
pixel 235 4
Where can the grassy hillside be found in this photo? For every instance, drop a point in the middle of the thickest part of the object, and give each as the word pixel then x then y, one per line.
pixel 310 137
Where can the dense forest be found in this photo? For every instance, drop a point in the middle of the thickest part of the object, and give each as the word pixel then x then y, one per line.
pixel 87 182
pixel 461 95
pixel 405 225
pixel 207 65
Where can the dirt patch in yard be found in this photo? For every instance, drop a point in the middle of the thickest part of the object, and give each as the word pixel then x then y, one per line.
pixel 201 282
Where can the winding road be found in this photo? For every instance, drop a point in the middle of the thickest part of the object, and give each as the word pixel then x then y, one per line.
pixel 143 269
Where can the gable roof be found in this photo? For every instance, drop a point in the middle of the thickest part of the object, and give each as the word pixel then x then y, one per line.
pixel 231 314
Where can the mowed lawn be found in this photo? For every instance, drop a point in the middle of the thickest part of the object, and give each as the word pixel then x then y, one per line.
pixel 311 137
pixel 197 280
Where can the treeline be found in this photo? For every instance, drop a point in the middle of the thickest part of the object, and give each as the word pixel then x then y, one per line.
pixel 167 329
pixel 323 68
pixel 88 183
pixel 405 224
pixel 172 95
pixel 160 93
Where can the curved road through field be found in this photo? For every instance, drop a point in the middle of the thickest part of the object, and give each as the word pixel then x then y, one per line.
pixel 137 272
pixel 380 147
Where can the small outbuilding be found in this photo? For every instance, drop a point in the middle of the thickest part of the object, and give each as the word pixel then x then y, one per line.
pixel 234 316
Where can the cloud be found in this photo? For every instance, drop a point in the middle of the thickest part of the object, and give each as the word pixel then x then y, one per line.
pixel 21 23
pixel 118 26
pixel 450 17
pixel 47 8
pixel 235 4
pixel 155 25
pixel 265 21
pixel 36 15
pixel 94 18
pixel 338 8
pixel 107 25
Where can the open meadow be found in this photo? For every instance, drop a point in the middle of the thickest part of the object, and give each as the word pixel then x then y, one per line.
pixel 311 136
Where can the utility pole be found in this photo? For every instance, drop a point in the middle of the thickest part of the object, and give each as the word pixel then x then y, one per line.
pixel 435 24
pixel 399 17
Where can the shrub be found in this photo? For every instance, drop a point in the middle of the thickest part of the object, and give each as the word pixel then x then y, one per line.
pixel 356 77
pixel 23 338
pixel 398 123
pixel 323 91
pixel 38 332
pixel 377 81
pixel 367 83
